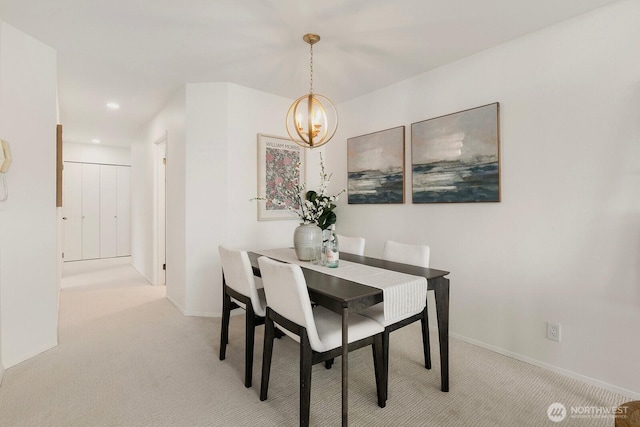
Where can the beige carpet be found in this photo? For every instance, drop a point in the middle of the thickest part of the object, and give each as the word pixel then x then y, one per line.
pixel 127 357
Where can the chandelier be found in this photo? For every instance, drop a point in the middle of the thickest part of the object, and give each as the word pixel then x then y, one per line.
pixel 312 119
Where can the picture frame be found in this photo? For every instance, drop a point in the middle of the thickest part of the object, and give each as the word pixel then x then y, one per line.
pixel 278 160
pixel 455 158
pixel 375 167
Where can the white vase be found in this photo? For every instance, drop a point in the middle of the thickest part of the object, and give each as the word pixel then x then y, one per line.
pixel 307 239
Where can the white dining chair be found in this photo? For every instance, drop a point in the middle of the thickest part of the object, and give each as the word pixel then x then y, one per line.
pixel 351 245
pixel 406 254
pixel 403 253
pixel 318 330
pixel 240 290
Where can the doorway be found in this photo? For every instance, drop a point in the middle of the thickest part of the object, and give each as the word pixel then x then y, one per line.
pixel 160 215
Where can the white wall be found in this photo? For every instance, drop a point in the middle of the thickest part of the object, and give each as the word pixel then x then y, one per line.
pixel 211 176
pixel 95 153
pixel 252 112
pixel 223 121
pixel 205 191
pixel 142 208
pixel 563 245
pixel 29 282
pixel 169 122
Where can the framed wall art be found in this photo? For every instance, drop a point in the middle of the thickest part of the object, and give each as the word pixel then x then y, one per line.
pixel 456 158
pixel 375 167
pixel 281 164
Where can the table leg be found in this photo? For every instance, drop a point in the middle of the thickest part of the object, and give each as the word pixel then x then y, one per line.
pixel 441 290
pixel 345 366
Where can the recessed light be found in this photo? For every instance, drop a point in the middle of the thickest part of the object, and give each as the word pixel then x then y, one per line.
pixel 113 105
pixel 96 141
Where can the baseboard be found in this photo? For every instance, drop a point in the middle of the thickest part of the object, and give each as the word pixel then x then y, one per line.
pixel 1 374
pixel 202 314
pixel 176 305
pixel 26 356
pixel 610 387
pixel 142 274
pixel 191 313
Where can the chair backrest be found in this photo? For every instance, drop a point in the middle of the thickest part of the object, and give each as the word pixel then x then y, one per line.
pixel 238 275
pixel 287 294
pixel 406 253
pixel 351 245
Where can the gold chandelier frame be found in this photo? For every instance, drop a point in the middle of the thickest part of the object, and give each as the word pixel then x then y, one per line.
pixel 312 119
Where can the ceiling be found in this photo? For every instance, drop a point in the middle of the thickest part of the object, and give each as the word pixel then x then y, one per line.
pixel 139 52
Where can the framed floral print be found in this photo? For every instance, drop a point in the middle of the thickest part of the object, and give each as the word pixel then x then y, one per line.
pixel 281 165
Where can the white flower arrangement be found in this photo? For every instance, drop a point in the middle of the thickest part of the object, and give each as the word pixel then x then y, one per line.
pixel 310 206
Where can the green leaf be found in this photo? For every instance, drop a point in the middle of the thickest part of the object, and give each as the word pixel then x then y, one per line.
pixel 327 218
pixel 311 196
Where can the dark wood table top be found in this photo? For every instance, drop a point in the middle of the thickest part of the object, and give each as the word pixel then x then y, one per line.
pixel 336 293
pixel 427 273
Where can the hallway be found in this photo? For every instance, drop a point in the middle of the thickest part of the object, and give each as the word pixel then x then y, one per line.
pixel 127 357
pixel 105 272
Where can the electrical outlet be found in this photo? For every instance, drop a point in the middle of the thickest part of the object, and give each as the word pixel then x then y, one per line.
pixel 553 331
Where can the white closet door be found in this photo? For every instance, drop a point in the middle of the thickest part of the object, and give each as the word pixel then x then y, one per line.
pixel 108 212
pixel 124 211
pixel 90 211
pixel 72 211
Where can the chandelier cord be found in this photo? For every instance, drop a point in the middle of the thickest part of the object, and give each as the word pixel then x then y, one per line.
pixel 311 68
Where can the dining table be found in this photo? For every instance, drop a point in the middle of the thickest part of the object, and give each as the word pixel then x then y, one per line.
pixel 344 296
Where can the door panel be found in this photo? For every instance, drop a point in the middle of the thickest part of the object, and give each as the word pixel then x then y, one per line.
pixel 124 211
pixel 90 211
pixel 72 211
pixel 96 211
pixel 161 207
pixel 108 212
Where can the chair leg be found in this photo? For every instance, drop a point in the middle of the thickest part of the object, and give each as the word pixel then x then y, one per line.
pixel 328 363
pixel 305 379
pixel 266 356
pixel 426 346
pixel 385 363
pixel 380 370
pixel 226 313
pixel 250 327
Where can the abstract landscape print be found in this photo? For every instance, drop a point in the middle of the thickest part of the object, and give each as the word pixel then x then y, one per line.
pixel 456 158
pixel 375 165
